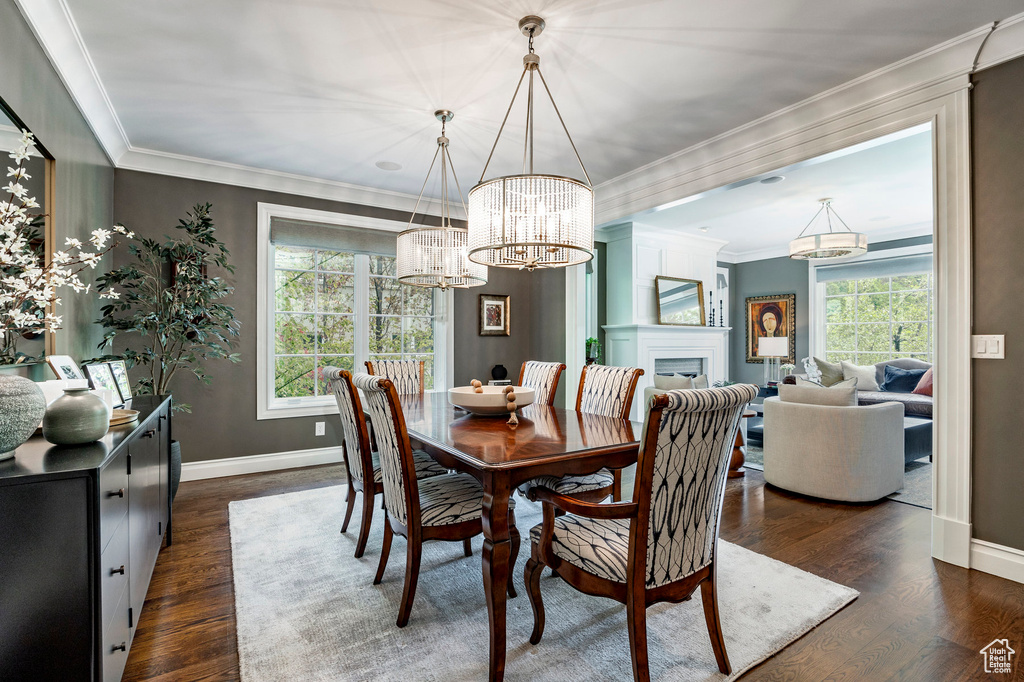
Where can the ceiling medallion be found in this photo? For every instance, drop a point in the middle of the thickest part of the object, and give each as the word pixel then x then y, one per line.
pixel 436 256
pixel 531 220
pixel 828 244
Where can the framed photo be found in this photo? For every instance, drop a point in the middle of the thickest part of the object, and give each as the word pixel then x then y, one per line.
pixel 100 376
pixel 494 313
pixel 120 372
pixel 64 367
pixel 771 316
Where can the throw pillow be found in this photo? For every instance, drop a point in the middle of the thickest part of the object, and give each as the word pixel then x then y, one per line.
pixel 701 381
pixel 831 372
pixel 672 383
pixel 865 375
pixel 924 386
pixel 846 383
pixel 818 395
pixel 900 380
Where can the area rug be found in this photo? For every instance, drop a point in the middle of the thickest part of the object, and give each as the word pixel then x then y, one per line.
pixel 306 609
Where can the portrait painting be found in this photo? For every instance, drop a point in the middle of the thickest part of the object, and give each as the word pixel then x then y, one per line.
pixel 494 315
pixel 771 317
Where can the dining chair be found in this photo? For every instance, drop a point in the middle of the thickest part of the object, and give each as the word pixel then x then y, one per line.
pixel 447 507
pixel 406 375
pixel 359 457
pixel 543 378
pixel 663 543
pixel 606 391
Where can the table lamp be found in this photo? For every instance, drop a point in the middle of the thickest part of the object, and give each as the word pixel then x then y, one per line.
pixel 772 349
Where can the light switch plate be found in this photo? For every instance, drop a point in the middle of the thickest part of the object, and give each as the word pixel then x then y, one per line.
pixel 988 346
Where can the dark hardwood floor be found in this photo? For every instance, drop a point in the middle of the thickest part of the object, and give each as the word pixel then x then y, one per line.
pixel 916 618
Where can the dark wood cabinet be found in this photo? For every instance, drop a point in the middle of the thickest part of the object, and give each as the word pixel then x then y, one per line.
pixel 80 531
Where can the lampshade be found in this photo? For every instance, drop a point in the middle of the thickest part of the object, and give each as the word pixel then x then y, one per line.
pixel 531 220
pixel 828 244
pixel 436 256
pixel 773 347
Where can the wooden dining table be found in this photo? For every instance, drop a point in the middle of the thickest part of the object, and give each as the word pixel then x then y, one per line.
pixel 547 440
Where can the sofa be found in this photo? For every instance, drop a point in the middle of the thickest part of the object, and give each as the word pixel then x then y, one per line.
pixel 914 405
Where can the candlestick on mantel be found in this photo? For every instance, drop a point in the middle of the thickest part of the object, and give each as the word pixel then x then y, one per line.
pixel 721 317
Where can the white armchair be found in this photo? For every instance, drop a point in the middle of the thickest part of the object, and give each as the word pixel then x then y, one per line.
pixel 849 454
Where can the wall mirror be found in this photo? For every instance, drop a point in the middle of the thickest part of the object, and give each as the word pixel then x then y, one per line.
pixel 39 167
pixel 680 301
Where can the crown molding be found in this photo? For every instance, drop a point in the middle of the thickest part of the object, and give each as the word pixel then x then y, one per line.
pixel 782 251
pixel 1005 43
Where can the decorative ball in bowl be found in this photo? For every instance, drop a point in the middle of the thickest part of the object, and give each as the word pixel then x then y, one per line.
pixel 491 401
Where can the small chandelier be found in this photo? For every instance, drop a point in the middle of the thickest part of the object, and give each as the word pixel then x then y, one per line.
pixel 436 256
pixel 531 220
pixel 828 244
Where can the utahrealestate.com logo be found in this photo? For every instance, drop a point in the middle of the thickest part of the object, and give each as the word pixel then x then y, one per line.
pixel 998 656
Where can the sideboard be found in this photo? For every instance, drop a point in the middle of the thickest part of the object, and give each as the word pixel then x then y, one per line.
pixel 80 530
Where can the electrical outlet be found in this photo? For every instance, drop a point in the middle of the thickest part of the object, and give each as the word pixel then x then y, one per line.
pixel 321 428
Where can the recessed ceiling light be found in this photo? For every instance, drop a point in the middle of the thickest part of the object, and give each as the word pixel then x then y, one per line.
pixel 389 165
pixel 703 228
pixel 773 179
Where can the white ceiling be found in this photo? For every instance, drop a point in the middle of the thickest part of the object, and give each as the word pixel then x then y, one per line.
pixel 882 188
pixel 328 88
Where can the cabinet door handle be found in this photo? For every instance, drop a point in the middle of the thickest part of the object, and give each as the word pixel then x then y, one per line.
pixel 149 434
pixel 115 571
pixel 163 416
pixel 123 646
pixel 116 493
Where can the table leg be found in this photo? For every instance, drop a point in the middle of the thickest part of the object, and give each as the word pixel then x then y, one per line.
pixel 738 458
pixel 496 551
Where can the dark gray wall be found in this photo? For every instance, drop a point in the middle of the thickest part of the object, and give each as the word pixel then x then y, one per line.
pixel 777 276
pixel 997 162
pixel 223 422
pixel 84 176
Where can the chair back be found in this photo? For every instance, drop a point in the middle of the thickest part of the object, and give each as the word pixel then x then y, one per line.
pixel 681 475
pixel 607 390
pixel 396 464
pixel 406 375
pixel 358 460
pixel 543 378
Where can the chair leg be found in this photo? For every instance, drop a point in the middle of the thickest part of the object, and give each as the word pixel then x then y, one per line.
pixel 513 536
pixel 636 623
pixel 467 546
pixel 385 550
pixel 616 485
pixel 412 574
pixel 531 576
pixel 710 596
pixel 350 505
pixel 364 524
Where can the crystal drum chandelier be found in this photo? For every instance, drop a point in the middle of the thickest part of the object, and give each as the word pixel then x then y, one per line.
pixel 436 256
pixel 531 220
pixel 828 244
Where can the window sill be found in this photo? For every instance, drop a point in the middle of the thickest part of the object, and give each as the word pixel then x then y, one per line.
pixel 291 411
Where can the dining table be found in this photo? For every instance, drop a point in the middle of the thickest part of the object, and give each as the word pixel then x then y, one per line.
pixel 502 456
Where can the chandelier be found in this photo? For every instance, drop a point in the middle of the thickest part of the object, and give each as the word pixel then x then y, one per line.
pixel 436 256
pixel 531 220
pixel 829 244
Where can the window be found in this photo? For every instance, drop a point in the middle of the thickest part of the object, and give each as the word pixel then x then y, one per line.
pixel 875 310
pixel 323 304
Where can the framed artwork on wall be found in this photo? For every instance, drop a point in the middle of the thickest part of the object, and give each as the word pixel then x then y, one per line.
pixel 494 315
pixel 772 317
pixel 64 367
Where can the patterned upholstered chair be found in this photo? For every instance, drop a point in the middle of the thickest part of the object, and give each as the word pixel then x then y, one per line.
pixel 406 375
pixel 543 378
pixel 360 458
pixel 606 391
pixel 662 544
pixel 444 507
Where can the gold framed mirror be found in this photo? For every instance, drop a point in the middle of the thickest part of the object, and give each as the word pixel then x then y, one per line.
pixel 680 301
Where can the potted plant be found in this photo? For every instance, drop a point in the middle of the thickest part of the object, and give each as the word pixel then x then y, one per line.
pixel 593 351
pixel 170 301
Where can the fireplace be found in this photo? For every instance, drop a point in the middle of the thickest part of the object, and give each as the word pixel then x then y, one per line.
pixel 690 367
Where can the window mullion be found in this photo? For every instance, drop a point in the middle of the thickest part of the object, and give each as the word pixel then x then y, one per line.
pixel 361 311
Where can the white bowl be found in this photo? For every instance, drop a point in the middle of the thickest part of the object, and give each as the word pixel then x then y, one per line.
pixel 491 401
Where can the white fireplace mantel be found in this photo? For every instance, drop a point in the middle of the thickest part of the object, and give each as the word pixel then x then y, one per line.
pixel 640 345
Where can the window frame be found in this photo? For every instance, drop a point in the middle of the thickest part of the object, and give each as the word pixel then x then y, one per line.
pixel 816 291
pixel 268 406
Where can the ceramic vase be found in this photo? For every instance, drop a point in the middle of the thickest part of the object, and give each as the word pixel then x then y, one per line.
pixel 75 418
pixel 22 405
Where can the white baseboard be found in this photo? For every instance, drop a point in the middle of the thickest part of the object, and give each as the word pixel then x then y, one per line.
pixel 253 464
pixel 1005 562
pixel 951 541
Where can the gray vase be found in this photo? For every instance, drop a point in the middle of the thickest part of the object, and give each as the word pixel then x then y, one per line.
pixel 75 418
pixel 21 407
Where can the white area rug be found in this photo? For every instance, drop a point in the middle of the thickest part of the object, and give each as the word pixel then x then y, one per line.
pixel 306 609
